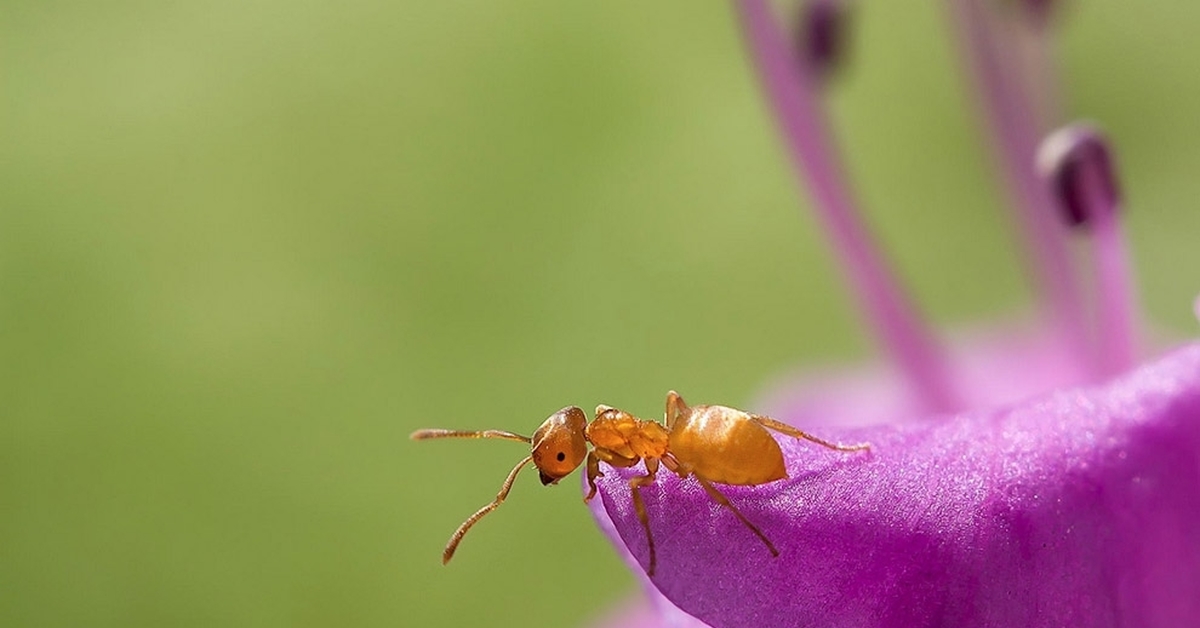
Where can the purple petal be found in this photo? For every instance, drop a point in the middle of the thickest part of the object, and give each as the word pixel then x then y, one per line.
pixel 1080 507
pixel 651 610
pixel 634 613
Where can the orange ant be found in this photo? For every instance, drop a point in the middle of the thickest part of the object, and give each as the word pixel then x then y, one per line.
pixel 714 444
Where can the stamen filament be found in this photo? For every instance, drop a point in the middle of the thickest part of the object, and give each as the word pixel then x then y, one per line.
pixel 790 90
pixel 1032 32
pixel 1015 132
pixel 1077 164
pixel 1115 283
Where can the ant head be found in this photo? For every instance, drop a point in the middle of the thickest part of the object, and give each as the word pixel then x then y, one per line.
pixel 559 445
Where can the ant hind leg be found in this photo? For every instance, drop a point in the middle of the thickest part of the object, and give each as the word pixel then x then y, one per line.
pixel 784 428
pixel 720 498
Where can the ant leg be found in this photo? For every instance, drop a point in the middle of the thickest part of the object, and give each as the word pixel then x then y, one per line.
pixel 724 501
pixel 676 467
pixel 593 472
pixel 784 428
pixel 635 488
pixel 595 457
pixel 452 545
pixel 676 408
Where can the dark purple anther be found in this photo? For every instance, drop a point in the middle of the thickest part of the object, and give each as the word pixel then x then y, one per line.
pixel 1077 164
pixel 821 28
pixel 1038 11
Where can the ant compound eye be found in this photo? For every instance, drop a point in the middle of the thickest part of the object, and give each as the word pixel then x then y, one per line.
pixel 561 456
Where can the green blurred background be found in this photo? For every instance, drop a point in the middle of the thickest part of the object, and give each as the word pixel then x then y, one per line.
pixel 247 246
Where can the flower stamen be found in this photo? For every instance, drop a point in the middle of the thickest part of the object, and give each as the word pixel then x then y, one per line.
pixel 821 31
pixel 1077 165
pixel 790 88
pixel 1038 12
pixel 1015 129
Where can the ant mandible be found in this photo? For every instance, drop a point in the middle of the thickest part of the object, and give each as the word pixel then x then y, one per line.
pixel 714 444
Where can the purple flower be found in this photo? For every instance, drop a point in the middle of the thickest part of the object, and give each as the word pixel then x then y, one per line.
pixel 1024 477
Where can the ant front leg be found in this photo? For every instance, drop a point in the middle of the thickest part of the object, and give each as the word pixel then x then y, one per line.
pixel 593 472
pixel 595 457
pixel 635 488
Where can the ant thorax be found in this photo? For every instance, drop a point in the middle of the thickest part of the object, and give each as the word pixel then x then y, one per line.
pixel 620 433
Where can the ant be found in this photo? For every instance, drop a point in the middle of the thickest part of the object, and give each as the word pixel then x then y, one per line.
pixel 714 444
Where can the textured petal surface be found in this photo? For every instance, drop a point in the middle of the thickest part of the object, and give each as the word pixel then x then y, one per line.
pixel 1080 507
pixel 649 609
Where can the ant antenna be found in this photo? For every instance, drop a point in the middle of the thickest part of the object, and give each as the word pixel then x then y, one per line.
pixel 452 545
pixel 430 434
